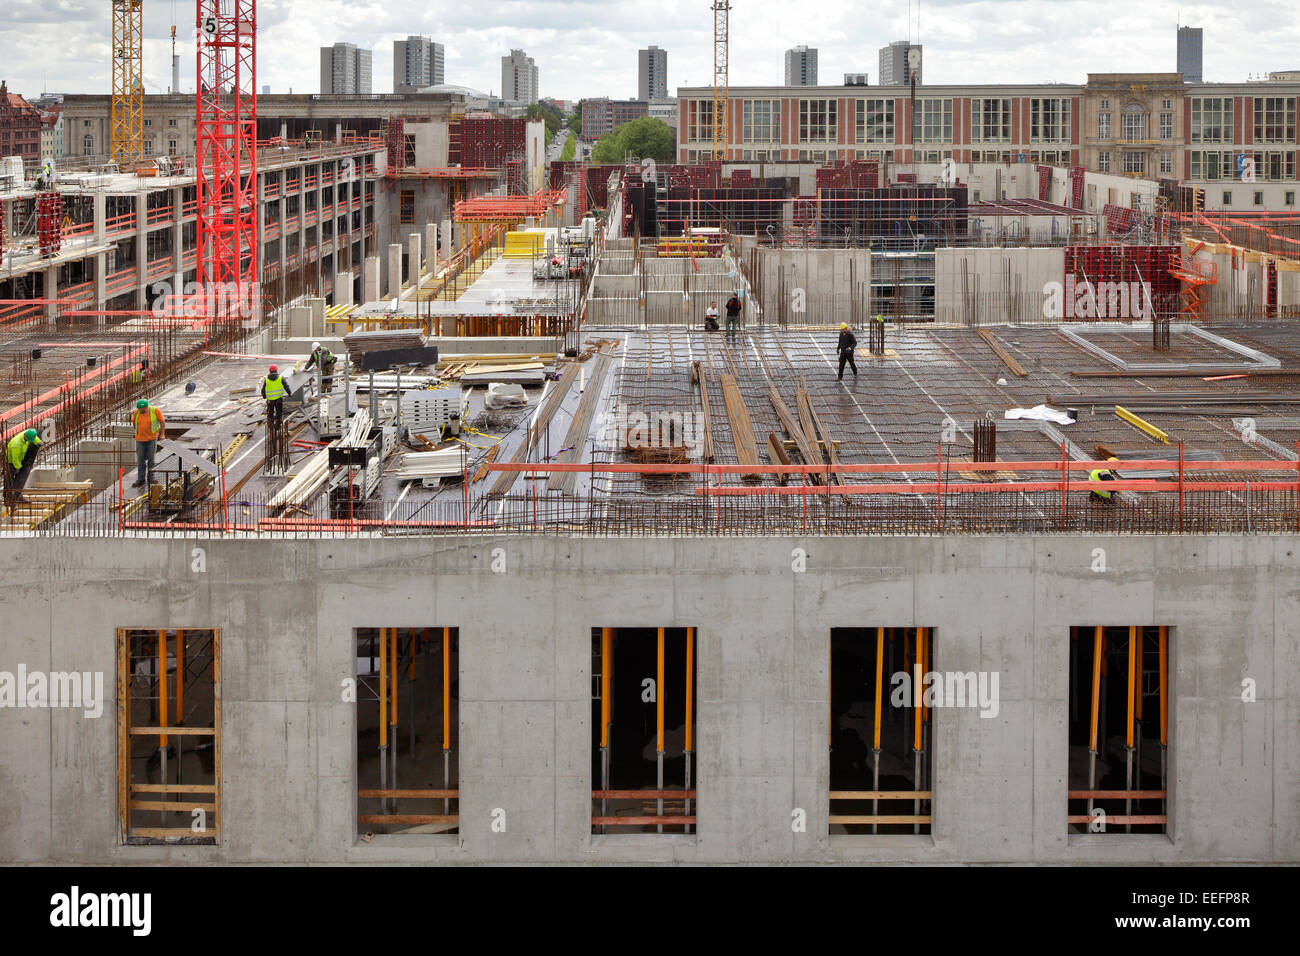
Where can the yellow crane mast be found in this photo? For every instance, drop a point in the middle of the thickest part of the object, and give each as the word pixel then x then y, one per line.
pixel 128 82
pixel 721 95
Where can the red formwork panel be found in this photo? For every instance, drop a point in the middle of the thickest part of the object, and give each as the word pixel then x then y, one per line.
pixel 49 222
pixel 489 142
pixel 1155 267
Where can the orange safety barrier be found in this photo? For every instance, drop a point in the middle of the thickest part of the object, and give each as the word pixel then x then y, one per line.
pixel 508 208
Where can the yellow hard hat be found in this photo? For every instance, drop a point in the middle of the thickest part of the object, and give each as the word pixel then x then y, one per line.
pixel 844 325
pixel 1112 458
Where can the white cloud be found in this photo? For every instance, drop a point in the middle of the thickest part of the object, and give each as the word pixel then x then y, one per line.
pixel 588 47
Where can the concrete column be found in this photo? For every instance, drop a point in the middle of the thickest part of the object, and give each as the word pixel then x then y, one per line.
pixel 445 233
pixel 413 258
pixel 431 247
pixel 178 238
pixel 101 263
pixel 141 248
pixel 394 270
pixel 101 213
pixel 342 288
pixel 51 292
pixel 370 279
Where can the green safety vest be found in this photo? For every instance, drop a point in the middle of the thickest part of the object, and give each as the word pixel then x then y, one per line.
pixel 273 388
pixel 137 376
pixel 1095 475
pixel 17 448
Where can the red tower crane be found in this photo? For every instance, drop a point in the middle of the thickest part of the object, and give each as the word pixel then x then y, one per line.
pixel 226 134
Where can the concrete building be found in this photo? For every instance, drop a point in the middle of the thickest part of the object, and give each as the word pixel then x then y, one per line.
pixel 127 235
pixel 52 137
pixel 652 74
pixel 418 63
pixel 896 61
pixel 1150 125
pixel 169 119
pixel 601 115
pixel 498 643
pixel 20 127
pixel 523 726
pixel 665 110
pixel 345 69
pixel 801 66
pixel 1189 54
pixel 519 78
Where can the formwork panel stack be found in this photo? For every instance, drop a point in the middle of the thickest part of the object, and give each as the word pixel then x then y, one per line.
pixel 49 222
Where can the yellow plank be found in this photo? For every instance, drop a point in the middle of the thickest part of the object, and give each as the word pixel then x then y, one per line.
pixel 1141 425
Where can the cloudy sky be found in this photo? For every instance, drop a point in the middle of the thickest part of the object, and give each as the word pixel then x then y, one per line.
pixel 588 47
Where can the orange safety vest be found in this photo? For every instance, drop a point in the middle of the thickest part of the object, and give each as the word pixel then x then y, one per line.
pixel 148 430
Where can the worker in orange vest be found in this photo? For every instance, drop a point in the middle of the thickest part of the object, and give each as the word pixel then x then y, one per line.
pixel 149 430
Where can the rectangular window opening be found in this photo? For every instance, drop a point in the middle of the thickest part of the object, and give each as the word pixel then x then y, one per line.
pixel 408 739
pixel 1119 730
pixel 881 733
pixel 643 730
pixel 169 735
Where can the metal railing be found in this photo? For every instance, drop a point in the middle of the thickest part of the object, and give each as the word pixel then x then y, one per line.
pixel 944 497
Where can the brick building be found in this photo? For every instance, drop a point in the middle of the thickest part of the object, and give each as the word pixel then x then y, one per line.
pixel 20 127
pixel 602 115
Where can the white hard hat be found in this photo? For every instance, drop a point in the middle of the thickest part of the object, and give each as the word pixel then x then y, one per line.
pixel 315 346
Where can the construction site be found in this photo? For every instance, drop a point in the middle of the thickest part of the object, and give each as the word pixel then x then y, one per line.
pixel 583 534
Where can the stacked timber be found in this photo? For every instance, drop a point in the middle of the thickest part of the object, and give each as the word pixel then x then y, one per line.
pixel 441 463
pixel 386 340
pixel 742 429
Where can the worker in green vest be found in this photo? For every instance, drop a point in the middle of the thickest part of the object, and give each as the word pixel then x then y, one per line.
pixel 274 390
pixel 20 454
pixel 1102 474
pixel 324 359
pixel 138 376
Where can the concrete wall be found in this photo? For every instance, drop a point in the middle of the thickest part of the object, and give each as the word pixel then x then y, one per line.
pixel 828 283
pixel 287 611
pixel 986 294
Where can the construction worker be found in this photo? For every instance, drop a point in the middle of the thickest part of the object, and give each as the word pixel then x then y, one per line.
pixel 733 314
pixel 1101 474
pixel 274 390
pixel 20 454
pixel 845 347
pixel 711 317
pixel 138 376
pixel 324 359
pixel 149 430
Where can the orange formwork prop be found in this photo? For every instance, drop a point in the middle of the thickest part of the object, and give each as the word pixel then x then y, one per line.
pixel 1096 707
pixel 690 698
pixel 659 717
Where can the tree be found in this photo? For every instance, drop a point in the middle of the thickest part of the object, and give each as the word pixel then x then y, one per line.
pixel 644 138
pixel 547 113
pixel 575 118
pixel 570 147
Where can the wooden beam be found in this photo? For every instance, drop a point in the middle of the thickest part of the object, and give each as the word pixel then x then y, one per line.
pixel 1000 351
